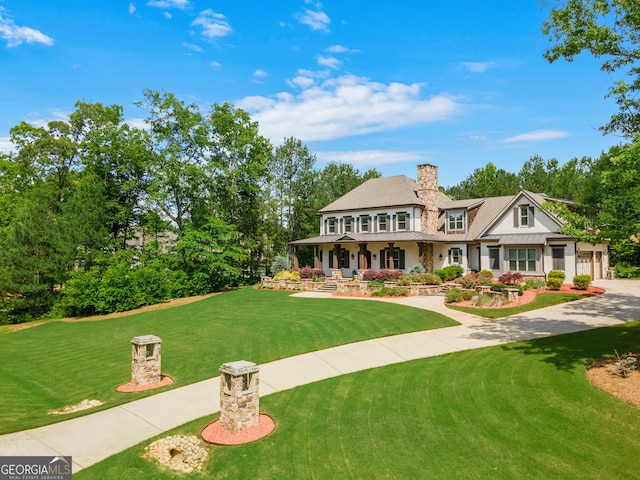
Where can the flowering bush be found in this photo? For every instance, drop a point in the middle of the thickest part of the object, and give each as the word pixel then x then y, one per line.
pixel 511 278
pixel 308 272
pixel 381 275
pixel 471 280
pixel 287 275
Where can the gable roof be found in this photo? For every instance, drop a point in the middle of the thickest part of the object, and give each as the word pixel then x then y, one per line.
pixel 377 193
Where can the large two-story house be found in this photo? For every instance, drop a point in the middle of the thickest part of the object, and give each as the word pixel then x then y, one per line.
pixel 395 223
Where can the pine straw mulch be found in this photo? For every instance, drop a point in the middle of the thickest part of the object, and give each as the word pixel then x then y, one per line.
pixel 603 375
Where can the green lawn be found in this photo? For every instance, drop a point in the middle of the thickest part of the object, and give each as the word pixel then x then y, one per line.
pixel 57 364
pixel 542 300
pixel 523 410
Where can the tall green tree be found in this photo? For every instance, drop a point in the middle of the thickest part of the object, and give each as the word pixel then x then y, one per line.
pixel 336 179
pixel 610 31
pixel 292 178
pixel 488 181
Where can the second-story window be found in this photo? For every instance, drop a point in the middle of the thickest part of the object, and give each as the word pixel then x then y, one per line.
pixel 524 215
pixel 332 225
pixel 382 222
pixel 402 221
pixel 347 224
pixel 364 223
pixel 456 221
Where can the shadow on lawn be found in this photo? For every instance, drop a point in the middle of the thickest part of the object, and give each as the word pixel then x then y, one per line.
pixel 567 352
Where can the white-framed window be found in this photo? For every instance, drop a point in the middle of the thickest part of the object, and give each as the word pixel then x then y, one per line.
pixel 523 216
pixel 456 221
pixel 522 259
pixel 364 223
pixel 332 225
pixel 455 256
pixel 347 224
pixel 402 221
pixel 382 222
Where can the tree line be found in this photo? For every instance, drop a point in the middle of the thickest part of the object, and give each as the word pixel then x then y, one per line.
pixel 98 216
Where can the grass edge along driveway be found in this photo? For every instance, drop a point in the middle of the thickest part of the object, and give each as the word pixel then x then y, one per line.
pixel 521 410
pixel 59 363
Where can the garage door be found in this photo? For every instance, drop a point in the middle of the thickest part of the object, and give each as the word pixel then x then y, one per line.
pixel 584 266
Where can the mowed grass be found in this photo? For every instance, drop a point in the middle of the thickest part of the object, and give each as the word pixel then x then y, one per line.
pixel 523 410
pixel 57 364
pixel 541 300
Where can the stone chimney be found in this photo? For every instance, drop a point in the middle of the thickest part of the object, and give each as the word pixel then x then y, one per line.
pixel 428 193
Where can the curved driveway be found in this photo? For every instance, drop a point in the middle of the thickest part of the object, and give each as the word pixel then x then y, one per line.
pixel 96 436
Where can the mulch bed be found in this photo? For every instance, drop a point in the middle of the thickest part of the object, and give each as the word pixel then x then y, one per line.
pixel 131 387
pixel 214 433
pixel 529 296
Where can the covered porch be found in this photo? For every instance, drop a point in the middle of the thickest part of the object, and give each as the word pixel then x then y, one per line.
pixel 346 255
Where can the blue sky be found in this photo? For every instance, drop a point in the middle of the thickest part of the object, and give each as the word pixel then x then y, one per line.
pixel 381 85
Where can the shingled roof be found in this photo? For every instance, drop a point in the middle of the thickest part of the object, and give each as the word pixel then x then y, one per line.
pixel 377 193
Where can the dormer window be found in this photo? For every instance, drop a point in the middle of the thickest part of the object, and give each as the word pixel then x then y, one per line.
pixel 456 222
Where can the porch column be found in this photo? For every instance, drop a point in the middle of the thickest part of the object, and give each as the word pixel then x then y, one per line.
pixel 336 255
pixel 429 257
pixel 362 257
pixel 295 257
pixel 421 253
pixel 392 265
pixel 316 256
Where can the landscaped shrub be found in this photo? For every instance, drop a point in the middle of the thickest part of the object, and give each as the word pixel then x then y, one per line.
pixel 376 283
pixel 279 263
pixel 469 281
pixel 308 272
pixel 417 268
pixel 450 273
pixel 554 283
pixel 391 292
pixel 292 276
pixel 468 294
pixel 626 270
pixel 511 278
pixel 453 295
pixel 582 282
pixel 381 275
pixel 556 274
pixel 427 278
pixel 485 273
pixel 532 283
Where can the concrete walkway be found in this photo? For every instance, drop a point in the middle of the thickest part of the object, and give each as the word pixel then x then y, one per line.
pixel 94 437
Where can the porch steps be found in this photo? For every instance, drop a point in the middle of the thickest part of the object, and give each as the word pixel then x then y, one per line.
pixel 328 287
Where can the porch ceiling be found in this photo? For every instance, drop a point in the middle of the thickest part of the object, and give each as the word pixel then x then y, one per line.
pixel 369 238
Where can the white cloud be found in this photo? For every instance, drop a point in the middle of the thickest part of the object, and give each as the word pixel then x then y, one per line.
pixel 316 20
pixel 213 24
pixel 137 122
pixel 340 49
pixel 132 9
pixel 536 136
pixel 301 82
pixel 167 15
pixel 259 73
pixel 370 158
pixel 346 106
pixel 329 61
pixel 6 146
pixel 192 47
pixel 476 67
pixel 215 64
pixel 181 4
pixel 16 35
